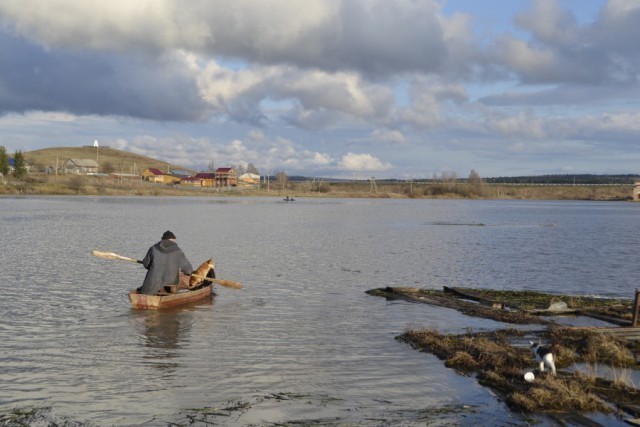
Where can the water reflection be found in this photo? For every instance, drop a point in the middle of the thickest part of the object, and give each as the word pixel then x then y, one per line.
pixel 163 333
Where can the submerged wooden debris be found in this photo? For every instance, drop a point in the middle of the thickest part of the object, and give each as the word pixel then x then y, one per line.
pixel 517 307
pixel 499 359
pixel 444 299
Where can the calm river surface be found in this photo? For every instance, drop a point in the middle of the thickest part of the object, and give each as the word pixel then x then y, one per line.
pixel 302 341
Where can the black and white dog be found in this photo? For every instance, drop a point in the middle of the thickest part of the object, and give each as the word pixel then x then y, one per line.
pixel 544 356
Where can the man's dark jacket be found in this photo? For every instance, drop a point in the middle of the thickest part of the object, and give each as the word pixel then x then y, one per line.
pixel 164 261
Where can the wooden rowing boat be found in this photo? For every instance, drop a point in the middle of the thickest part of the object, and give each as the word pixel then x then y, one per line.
pixel 164 300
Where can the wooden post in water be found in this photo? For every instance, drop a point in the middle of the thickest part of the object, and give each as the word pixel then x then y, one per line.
pixel 636 304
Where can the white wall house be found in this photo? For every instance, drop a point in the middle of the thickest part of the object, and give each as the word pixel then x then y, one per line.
pixel 80 166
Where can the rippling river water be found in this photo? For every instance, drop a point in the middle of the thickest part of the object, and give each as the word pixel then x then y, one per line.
pixel 302 340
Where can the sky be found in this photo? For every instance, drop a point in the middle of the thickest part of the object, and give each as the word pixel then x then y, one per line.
pixel 404 89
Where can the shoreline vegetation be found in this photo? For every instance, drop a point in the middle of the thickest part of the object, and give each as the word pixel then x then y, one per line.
pixel 121 170
pixel 595 364
pixel 68 185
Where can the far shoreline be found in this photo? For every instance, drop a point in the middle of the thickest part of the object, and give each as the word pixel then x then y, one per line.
pixel 79 185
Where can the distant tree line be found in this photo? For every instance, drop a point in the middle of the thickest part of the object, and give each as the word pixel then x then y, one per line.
pixel 475 179
pixel 566 179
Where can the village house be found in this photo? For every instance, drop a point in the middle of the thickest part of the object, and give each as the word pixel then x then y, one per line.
pixel 12 166
pixel 222 177
pixel 192 181
pixel 208 178
pixel 226 177
pixel 636 191
pixel 156 175
pixel 80 166
pixel 152 175
pixel 249 179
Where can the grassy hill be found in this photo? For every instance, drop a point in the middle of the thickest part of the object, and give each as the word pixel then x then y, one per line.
pixel 109 159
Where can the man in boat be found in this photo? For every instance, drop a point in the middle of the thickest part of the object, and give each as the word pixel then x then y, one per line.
pixel 166 265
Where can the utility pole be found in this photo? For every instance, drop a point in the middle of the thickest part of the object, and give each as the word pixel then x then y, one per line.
pixel 95 144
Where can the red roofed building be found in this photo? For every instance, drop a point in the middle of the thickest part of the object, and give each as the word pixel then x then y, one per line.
pixel 226 177
pixel 208 178
pixel 156 175
pixel 191 180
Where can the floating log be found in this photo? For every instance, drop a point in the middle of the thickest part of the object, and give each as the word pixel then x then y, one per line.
pixel 441 299
pixel 466 295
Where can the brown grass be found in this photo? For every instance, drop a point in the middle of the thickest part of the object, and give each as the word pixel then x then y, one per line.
pixel 93 185
pixel 331 190
pixel 575 345
pixel 601 348
pixel 501 366
pixel 557 393
pixel 113 160
pixel 462 361
pixel 488 351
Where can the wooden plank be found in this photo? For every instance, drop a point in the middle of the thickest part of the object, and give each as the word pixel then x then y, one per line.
pixel 615 332
pixel 484 301
pixel 623 333
pixel 614 320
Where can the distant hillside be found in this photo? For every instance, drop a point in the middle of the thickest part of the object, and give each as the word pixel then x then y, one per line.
pixel 109 159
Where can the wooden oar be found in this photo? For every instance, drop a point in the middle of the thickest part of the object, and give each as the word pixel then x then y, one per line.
pixel 221 282
pixel 111 255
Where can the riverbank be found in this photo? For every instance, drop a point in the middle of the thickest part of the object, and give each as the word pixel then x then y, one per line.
pixel 500 359
pixel 42 184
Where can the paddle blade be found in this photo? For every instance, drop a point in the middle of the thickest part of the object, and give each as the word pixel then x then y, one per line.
pixel 228 283
pixel 111 255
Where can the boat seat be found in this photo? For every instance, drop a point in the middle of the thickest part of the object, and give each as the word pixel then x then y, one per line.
pixel 169 289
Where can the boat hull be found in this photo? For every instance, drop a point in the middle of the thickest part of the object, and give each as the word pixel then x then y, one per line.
pixel 155 302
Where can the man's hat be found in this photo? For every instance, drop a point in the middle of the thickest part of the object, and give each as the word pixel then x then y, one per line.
pixel 168 235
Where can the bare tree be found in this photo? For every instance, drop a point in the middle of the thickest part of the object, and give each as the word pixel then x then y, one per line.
pixel 449 176
pixel 252 169
pixel 77 183
pixel 474 178
pixel 476 184
pixel 282 179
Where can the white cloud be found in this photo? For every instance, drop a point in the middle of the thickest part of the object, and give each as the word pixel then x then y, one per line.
pixel 531 62
pixel 47 116
pixel 267 155
pixel 362 163
pixel 316 99
pixel 522 124
pixel 429 96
